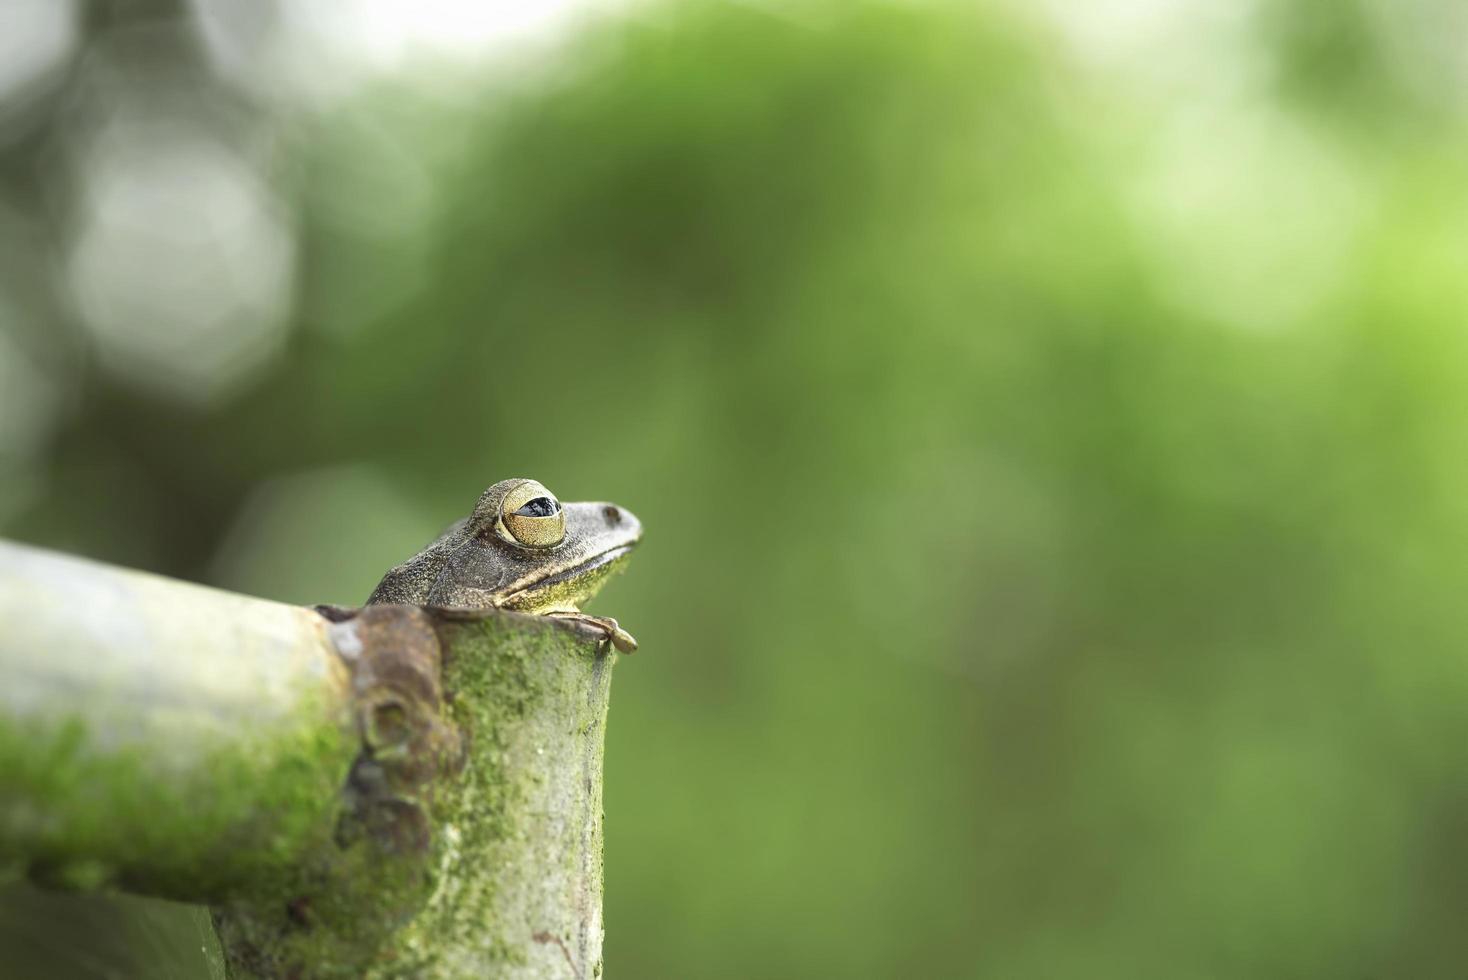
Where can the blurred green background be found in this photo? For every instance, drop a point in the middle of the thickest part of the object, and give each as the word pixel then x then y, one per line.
pixel 1049 422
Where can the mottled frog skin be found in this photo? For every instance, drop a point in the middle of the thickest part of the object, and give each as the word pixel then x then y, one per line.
pixel 521 549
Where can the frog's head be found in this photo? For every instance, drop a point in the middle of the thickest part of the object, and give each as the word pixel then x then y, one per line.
pixel 534 552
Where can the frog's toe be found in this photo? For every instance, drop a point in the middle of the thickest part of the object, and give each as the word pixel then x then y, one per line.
pixel 612 635
pixel 621 639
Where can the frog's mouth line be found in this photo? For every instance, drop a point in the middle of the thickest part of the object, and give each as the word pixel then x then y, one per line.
pixel 576 571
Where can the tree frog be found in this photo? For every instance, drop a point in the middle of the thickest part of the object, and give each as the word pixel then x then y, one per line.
pixel 521 549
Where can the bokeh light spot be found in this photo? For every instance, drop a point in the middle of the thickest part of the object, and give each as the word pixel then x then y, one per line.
pixel 1255 231
pixel 181 261
pixel 36 38
pixel 297 50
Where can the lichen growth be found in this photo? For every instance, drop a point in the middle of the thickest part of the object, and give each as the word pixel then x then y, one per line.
pixel 508 880
pixel 78 815
pixel 519 841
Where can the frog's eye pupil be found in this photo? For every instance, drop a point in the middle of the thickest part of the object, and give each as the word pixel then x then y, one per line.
pixel 539 507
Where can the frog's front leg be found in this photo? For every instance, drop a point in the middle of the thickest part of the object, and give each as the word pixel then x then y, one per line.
pixel 611 632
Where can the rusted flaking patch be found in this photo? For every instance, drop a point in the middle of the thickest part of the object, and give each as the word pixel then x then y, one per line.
pixel 396 665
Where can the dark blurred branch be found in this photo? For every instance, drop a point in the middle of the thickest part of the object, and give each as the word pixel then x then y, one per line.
pixel 386 793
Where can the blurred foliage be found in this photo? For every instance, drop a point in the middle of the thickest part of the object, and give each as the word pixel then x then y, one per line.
pixel 1054 493
pixel 65 936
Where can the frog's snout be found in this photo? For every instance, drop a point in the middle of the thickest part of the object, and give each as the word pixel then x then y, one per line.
pixel 621 522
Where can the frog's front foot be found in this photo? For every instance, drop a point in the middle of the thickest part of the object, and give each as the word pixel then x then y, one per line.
pixel 611 632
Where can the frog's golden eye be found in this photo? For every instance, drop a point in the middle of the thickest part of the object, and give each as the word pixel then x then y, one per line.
pixel 533 516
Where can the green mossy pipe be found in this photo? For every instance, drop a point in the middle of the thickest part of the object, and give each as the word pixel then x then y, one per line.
pixel 162 737
pixel 399 793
